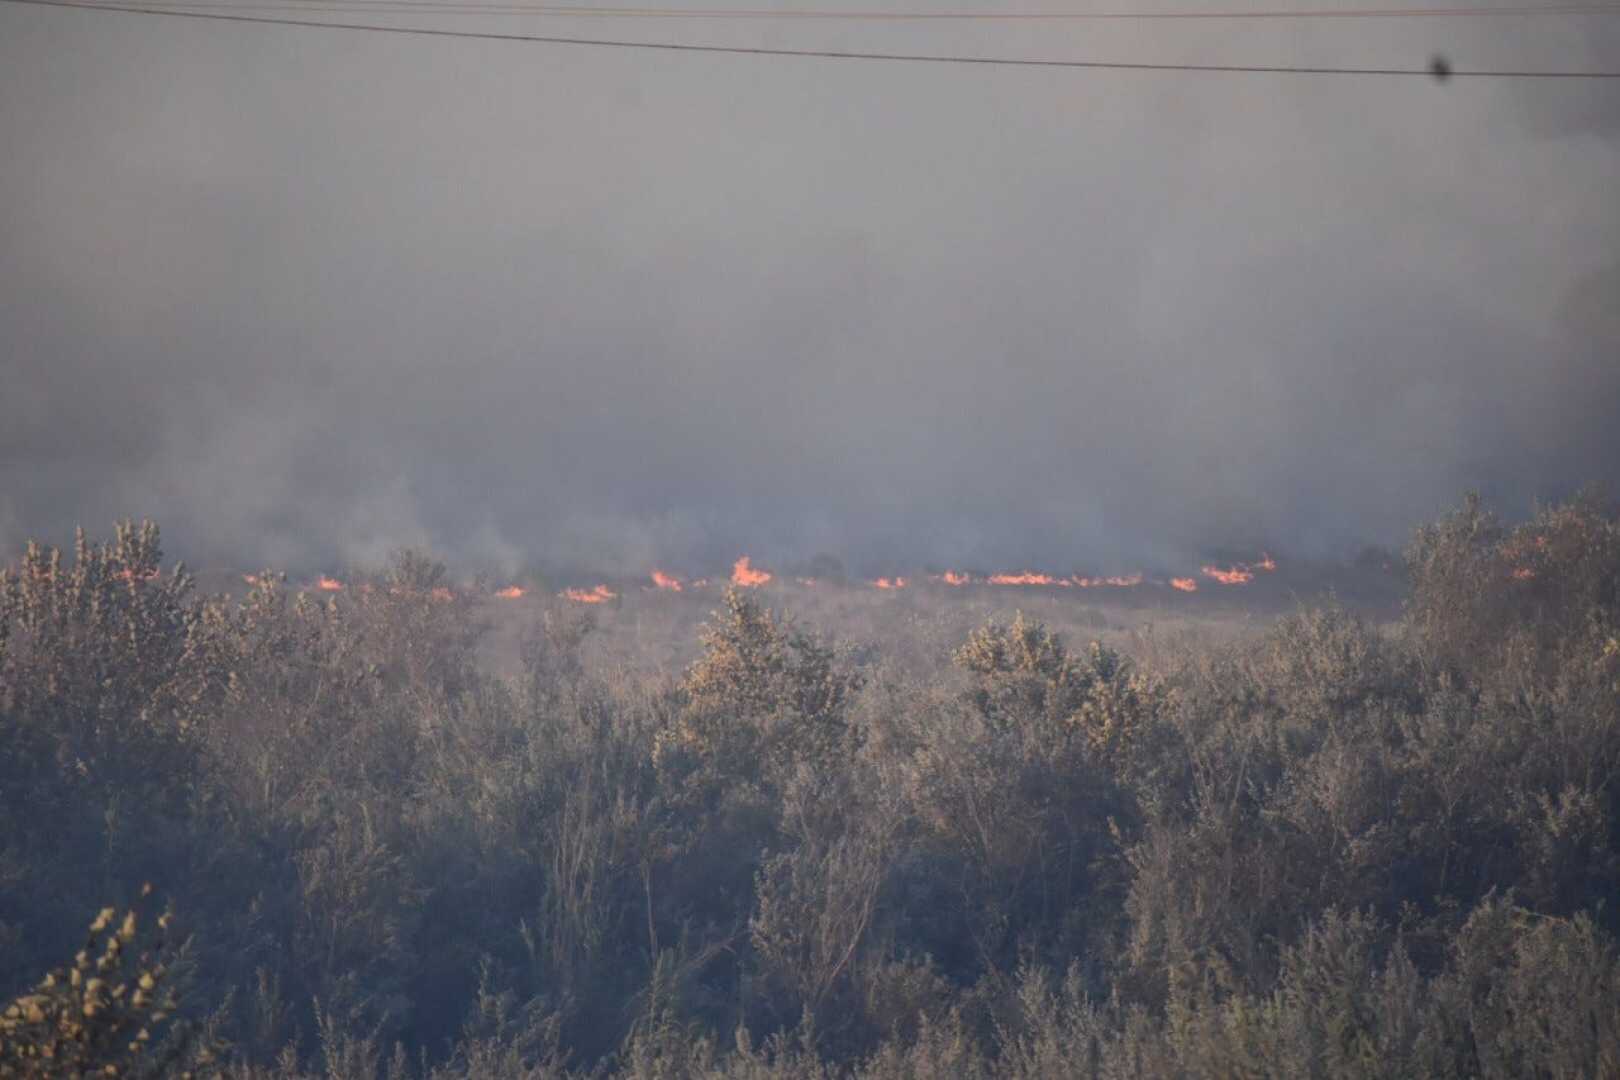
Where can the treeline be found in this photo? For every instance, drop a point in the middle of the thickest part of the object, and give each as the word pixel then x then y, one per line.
pixel 1331 849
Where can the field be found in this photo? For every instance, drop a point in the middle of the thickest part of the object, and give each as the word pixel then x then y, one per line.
pixel 655 631
pixel 1329 820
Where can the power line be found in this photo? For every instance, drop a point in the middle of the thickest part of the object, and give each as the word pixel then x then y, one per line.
pixel 829 54
pixel 516 7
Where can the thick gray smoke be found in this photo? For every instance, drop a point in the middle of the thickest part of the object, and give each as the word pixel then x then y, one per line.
pixel 306 296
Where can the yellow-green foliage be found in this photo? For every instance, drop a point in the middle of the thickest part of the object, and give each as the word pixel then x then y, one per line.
pixel 1025 673
pixel 754 663
pixel 108 1013
pixel 87 649
pixel 762 689
pixel 1486 597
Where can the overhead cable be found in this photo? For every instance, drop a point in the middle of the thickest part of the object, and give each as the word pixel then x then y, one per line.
pixel 1436 68
pixel 577 11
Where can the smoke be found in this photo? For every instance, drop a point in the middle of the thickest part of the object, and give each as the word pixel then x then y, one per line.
pixel 305 297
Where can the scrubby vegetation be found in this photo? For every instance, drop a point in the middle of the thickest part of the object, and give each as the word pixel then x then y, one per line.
pixel 1328 849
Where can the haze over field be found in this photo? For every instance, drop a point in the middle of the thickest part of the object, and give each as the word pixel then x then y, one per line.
pixel 764 567
pixel 305 296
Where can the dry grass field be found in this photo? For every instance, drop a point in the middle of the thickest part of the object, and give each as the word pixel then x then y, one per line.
pixel 1309 821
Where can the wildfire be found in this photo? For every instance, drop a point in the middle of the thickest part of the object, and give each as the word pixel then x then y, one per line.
pixel 1240 573
pixel 601 594
pixel 1523 573
pixel 744 573
pixel 1027 577
pixel 131 575
pixel 1236 575
pixel 1127 581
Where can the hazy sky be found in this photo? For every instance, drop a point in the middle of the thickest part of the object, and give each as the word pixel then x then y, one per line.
pixel 304 296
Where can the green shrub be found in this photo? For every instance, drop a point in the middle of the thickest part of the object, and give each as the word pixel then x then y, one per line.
pixel 110 1012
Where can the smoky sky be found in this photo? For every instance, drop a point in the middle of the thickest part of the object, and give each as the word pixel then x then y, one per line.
pixel 307 296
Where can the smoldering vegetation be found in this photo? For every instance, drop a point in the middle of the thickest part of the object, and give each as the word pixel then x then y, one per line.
pixel 1325 846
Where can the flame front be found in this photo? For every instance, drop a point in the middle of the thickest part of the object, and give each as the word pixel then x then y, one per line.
pixel 744 574
pixel 1236 575
pixel 1026 577
pixel 1240 573
pixel 601 594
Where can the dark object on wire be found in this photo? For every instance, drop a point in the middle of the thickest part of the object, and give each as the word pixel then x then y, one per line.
pixel 1439 67
pixel 132 8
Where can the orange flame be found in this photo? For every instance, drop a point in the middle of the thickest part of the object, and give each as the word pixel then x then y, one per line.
pixel 666 581
pixel 131 575
pixel 1237 575
pixel 442 594
pixel 951 577
pixel 1523 573
pixel 1185 584
pixel 889 583
pixel 1128 581
pixel 511 592
pixel 250 579
pixel 743 574
pixel 601 594
pixel 1028 577
pixel 326 584
pixel 1266 563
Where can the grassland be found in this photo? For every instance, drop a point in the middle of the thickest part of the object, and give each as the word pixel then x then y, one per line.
pixel 1294 829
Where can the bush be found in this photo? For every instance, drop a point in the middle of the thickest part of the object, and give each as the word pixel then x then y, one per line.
pixel 111 1012
pixel 1329 847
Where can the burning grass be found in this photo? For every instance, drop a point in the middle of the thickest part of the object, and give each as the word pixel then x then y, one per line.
pixel 962 828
